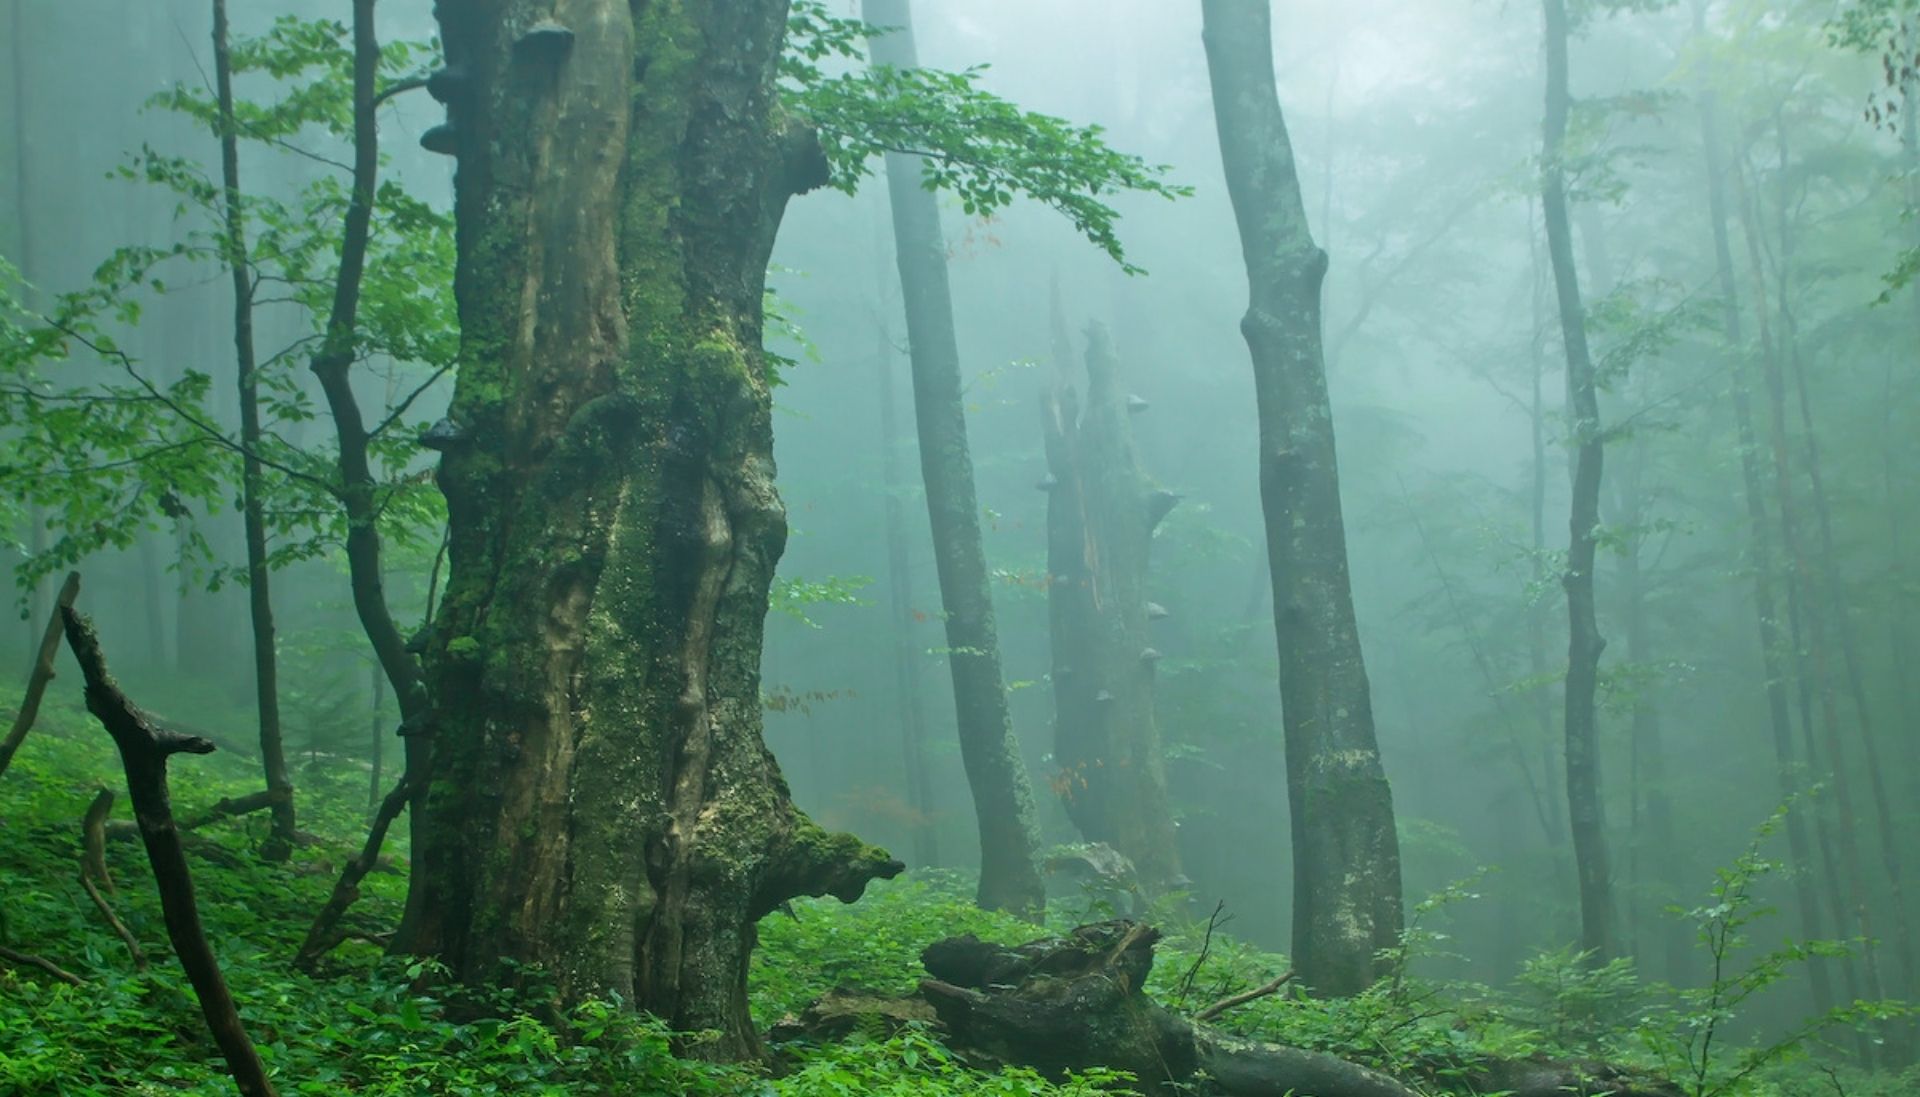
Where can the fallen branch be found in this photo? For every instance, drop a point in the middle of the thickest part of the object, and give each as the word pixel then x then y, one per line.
pixel 27 959
pixel 324 935
pixel 231 807
pixel 144 752
pixel 1233 1001
pixel 119 927
pixel 40 675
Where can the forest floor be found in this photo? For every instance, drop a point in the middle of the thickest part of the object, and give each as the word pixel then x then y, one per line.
pixel 358 1028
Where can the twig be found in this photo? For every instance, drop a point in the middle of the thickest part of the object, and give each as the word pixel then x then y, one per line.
pixel 27 959
pixel 1206 945
pixel 119 927
pixel 1233 1000
pixel 144 751
pixel 40 675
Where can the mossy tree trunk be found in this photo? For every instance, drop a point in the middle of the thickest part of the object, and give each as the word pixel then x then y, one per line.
pixel 1002 799
pixel 1101 511
pixel 603 803
pixel 1346 856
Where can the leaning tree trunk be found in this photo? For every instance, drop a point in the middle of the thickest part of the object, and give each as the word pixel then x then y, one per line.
pixel 1588 821
pixel 604 806
pixel 989 752
pixel 266 673
pixel 1346 863
pixel 1101 512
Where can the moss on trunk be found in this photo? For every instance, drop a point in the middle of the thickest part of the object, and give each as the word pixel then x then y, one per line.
pixel 604 806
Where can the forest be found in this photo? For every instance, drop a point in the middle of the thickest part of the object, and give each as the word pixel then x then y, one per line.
pixel 803 548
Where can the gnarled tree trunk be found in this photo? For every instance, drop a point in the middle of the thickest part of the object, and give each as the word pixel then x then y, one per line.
pixel 603 803
pixel 1101 511
pixel 1346 856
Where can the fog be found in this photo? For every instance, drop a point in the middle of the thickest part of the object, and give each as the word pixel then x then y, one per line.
pixel 1416 127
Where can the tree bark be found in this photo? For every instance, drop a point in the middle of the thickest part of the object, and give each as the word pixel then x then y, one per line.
pixel 1585 811
pixel 603 804
pixel 1073 1002
pixel 1002 799
pixel 39 675
pixel 144 751
pixel 359 495
pixel 1101 512
pixel 266 675
pixel 1347 902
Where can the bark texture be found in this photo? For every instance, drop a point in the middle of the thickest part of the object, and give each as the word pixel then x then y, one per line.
pixel 603 804
pixel 1346 856
pixel 1584 643
pixel 144 751
pixel 1002 799
pixel 1101 512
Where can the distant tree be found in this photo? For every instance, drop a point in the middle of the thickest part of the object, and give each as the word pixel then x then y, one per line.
pixel 1101 513
pixel 1346 855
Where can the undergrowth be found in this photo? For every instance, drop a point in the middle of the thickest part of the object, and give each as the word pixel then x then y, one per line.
pixel 360 1028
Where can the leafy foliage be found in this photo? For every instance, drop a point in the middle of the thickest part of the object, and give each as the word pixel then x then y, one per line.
pixel 981 147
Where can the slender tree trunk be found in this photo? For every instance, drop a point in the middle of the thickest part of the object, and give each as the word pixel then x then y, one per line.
pixel 603 803
pixel 1346 863
pixel 1002 799
pixel 1658 856
pixel 1773 644
pixel 1584 808
pixel 1849 890
pixel 1836 594
pixel 266 677
pixel 376 739
pixel 1101 512
pixel 906 659
pixel 1537 665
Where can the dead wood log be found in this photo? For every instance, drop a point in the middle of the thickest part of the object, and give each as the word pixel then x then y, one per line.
pixel 144 751
pixel 325 934
pixel 40 675
pixel 1070 1003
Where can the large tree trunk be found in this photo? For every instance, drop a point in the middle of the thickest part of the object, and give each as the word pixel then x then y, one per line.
pixel 1346 857
pixel 266 674
pixel 1101 512
pixel 1584 810
pixel 1002 800
pixel 603 804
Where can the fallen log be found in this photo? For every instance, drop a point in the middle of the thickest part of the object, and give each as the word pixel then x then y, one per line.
pixel 1070 1003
